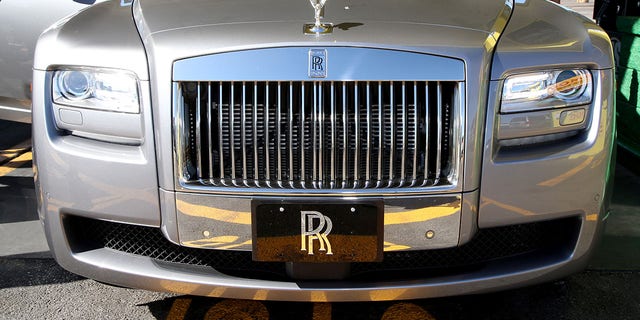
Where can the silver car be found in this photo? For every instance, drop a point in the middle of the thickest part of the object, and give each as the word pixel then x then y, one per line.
pixel 323 150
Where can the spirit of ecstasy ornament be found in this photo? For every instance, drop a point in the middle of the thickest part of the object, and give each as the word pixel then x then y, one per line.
pixel 318 27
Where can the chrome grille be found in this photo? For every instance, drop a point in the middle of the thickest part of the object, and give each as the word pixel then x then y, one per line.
pixel 316 134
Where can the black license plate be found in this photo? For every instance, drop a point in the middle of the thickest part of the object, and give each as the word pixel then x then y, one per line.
pixel 307 232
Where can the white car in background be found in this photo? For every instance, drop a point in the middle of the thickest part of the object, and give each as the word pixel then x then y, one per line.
pixel 18 36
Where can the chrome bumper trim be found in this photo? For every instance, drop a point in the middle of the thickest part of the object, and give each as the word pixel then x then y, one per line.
pixel 224 223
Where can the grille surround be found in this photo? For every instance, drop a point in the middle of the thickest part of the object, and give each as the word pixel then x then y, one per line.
pixel 324 165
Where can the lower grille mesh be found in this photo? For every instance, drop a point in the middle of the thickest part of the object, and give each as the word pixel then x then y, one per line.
pixel 557 236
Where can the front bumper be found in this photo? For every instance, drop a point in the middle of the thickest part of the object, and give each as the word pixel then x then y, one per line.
pixel 136 256
pixel 120 185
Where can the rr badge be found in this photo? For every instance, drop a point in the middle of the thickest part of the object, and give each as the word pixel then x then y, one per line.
pixel 317 63
pixel 315 226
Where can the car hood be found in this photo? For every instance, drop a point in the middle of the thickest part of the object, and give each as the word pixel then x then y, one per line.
pixel 198 27
pixel 166 15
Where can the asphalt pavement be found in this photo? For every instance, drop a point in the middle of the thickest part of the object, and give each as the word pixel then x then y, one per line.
pixel 33 286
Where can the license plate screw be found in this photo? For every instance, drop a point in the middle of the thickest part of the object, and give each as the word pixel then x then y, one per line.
pixel 281 209
pixel 206 233
pixel 430 234
pixel 353 210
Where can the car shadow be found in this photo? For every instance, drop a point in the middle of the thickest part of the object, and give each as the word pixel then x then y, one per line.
pixel 25 271
pixel 582 296
pixel 626 186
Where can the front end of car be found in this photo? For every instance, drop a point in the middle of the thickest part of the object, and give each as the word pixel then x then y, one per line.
pixel 401 152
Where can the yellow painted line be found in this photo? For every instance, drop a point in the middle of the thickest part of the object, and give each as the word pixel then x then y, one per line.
pixel 521 211
pixel 179 309
pixel 565 176
pixel 389 246
pixel 220 243
pixel 215 241
pixel 321 311
pixel 233 246
pixel 319 296
pixel 387 294
pixel 15 163
pixel 261 294
pixel 229 216
pixel 14 151
pixel 419 215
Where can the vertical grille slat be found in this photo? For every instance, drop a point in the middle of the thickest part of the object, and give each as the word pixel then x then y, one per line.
pixel 318 134
pixel 321 136
pixel 356 155
pixel 232 134
pixel 439 134
pixel 345 134
pixel 302 144
pixel 243 133
pixel 290 138
pixel 267 167
pixel 427 135
pixel 279 133
pixel 332 161
pixel 403 169
pixel 220 133
pixel 414 176
pixel 380 134
pixel 315 137
pixel 256 163
pixel 392 135
pixel 210 132
pixel 368 156
pixel 199 133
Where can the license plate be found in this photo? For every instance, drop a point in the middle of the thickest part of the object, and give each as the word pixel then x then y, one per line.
pixel 307 232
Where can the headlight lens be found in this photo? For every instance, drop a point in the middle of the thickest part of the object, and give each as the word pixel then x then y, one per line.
pixel 545 90
pixel 106 90
pixel 74 85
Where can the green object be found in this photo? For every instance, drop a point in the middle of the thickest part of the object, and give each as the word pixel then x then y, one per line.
pixel 629 51
pixel 628 78
pixel 628 25
pixel 628 117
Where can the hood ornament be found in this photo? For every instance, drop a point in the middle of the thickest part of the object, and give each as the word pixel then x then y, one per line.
pixel 318 27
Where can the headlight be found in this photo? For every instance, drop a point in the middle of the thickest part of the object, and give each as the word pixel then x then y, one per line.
pixel 546 90
pixel 98 89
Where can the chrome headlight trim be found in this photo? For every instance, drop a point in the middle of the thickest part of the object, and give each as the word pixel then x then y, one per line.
pixel 549 89
pixel 110 90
